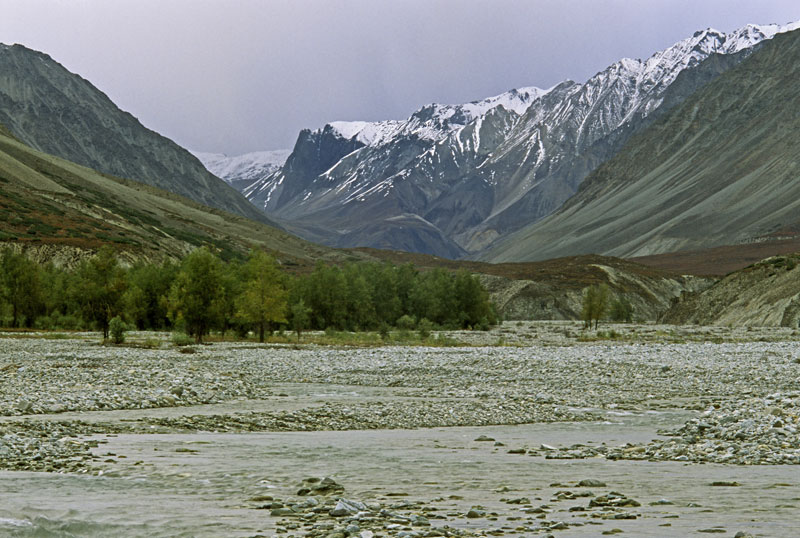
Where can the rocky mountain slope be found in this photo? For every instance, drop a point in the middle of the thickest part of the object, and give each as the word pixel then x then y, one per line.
pixel 241 171
pixel 764 294
pixel 650 293
pixel 452 179
pixel 719 169
pixel 60 113
pixel 57 210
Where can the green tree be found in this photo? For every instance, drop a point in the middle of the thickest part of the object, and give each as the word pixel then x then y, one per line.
pixel 325 293
pixel 263 300
pixel 384 293
pixel 406 277
pixel 197 295
pixel 145 301
pixel 21 288
pixel 232 287
pixel 56 285
pixel 473 300
pixel 359 298
pixel 432 297
pixel 595 304
pixel 98 288
pixel 621 310
pixel 300 317
pixel 117 328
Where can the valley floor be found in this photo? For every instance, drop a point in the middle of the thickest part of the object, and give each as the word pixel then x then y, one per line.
pixel 533 428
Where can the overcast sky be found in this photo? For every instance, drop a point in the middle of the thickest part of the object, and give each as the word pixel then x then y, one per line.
pixel 235 76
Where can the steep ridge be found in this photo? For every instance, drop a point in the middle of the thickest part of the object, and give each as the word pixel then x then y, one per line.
pixel 764 294
pixel 60 113
pixel 720 169
pixel 465 175
pixel 55 210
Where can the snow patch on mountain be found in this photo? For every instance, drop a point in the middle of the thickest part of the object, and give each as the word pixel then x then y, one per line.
pixel 368 133
pixel 434 121
pixel 253 165
pixel 517 100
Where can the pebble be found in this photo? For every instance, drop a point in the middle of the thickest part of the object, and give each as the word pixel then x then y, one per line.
pixel 591 483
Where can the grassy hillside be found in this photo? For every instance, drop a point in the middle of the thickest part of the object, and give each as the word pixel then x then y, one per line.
pixel 48 202
pixel 719 261
pixel 720 169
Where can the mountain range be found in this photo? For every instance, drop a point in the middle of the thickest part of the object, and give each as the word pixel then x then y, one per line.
pixel 456 180
pixel 719 169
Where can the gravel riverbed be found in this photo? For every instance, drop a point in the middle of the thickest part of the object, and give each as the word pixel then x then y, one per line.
pixel 739 389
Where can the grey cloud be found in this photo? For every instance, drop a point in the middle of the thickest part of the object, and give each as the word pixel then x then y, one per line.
pixel 237 76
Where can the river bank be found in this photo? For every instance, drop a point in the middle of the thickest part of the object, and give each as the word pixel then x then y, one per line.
pixel 569 406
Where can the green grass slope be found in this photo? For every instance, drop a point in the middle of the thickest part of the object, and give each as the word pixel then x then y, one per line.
pixel 48 201
pixel 720 169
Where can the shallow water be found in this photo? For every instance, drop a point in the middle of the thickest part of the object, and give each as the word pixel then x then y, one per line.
pixel 158 491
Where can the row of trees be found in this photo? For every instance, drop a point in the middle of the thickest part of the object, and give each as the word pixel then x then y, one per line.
pixel 202 293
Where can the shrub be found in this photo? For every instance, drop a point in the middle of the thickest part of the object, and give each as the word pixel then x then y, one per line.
pixel 117 328
pixel 406 323
pixel 424 328
pixel 151 343
pixel 383 330
pixel 44 323
pixel 622 310
pixel 182 339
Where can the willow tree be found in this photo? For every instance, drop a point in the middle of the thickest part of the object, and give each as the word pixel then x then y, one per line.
pixel 20 287
pixel 197 295
pixel 595 304
pixel 99 286
pixel 263 300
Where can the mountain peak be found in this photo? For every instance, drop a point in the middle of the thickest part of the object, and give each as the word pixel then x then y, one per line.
pixel 366 132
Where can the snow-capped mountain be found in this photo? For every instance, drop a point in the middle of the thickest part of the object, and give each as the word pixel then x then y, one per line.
pixel 242 170
pixel 451 179
pixel 718 170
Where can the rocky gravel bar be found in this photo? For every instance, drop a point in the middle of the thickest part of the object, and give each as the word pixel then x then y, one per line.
pixel 746 393
pixel 752 431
